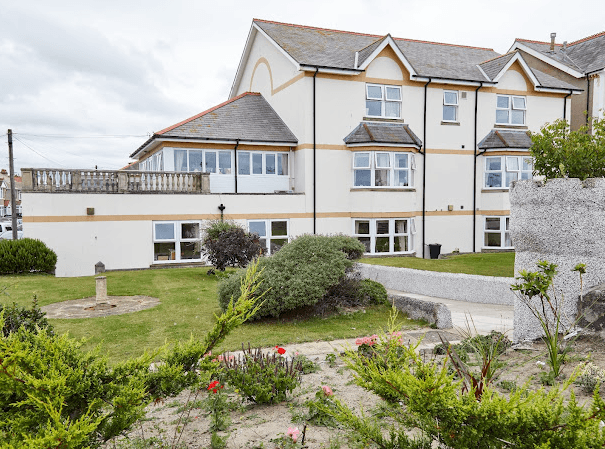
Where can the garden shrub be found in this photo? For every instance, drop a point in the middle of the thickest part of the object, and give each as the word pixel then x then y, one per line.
pixel 351 291
pixel 300 274
pixel 25 256
pixel 227 244
pixel 31 319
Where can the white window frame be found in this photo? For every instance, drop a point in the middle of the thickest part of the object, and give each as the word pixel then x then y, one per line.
pixel 383 100
pixel 177 240
pixel 268 237
pixel 279 155
pixel 510 109
pixel 505 163
pixel 503 231
pixel 449 104
pixel 373 167
pixel 204 152
pixel 373 235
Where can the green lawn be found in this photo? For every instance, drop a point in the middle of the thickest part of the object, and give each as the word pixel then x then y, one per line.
pixel 485 264
pixel 188 304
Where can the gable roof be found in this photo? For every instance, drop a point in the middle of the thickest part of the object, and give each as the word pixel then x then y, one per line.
pixel 320 47
pixel 247 117
pixel 505 139
pixel 397 134
pixel 584 55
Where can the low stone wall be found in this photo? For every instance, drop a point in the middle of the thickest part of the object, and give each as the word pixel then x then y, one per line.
pixel 418 309
pixel 461 287
pixel 561 221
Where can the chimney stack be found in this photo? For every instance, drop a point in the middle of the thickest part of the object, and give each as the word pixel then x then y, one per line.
pixel 552 42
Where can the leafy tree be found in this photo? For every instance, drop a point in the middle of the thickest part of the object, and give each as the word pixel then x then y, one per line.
pixel 561 153
pixel 227 244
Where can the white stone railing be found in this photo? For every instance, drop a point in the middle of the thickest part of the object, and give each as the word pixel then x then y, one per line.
pixel 112 181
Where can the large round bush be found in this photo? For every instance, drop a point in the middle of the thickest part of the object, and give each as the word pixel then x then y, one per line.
pixel 25 256
pixel 298 275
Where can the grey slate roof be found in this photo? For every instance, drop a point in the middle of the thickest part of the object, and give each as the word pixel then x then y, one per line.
pixel 494 66
pixel 247 117
pixel 364 53
pixel 391 133
pixel 505 139
pixel 585 55
pixel 336 49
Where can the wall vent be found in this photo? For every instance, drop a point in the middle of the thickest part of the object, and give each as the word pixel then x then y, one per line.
pixel 463 95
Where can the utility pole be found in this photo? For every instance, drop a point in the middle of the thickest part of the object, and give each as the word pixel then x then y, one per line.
pixel 12 183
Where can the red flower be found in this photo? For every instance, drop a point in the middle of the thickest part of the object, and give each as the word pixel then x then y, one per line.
pixel 281 351
pixel 213 385
pixel 214 391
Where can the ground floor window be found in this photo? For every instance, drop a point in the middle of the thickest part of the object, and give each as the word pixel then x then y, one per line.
pixel 177 241
pixel 384 235
pixel 273 234
pixel 497 232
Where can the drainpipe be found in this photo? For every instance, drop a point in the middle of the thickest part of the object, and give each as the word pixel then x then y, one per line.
pixel 587 96
pixel 424 171
pixel 235 154
pixel 475 170
pixel 565 104
pixel 314 160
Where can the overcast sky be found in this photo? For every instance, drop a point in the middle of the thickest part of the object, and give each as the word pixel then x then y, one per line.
pixel 83 83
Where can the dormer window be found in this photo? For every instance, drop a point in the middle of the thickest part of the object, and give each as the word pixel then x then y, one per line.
pixel 510 110
pixel 383 101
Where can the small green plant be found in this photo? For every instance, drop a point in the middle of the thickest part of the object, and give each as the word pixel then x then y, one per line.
pixel 307 365
pixel 508 385
pixel 217 406
pixel 317 414
pixel 292 439
pixel 31 319
pixel 262 378
pixel 590 377
pixel 331 359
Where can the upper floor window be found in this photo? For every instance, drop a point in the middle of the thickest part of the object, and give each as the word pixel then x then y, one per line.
pixel 510 110
pixel 382 169
pixel 273 234
pixel 500 171
pixel 262 163
pixel 209 161
pixel 450 106
pixel 383 101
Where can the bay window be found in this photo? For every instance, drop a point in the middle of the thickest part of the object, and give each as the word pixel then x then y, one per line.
pixel 262 163
pixel 497 233
pixel 510 110
pixel 273 234
pixel 209 161
pixel 384 235
pixel 175 241
pixel 500 171
pixel 382 169
pixel 383 101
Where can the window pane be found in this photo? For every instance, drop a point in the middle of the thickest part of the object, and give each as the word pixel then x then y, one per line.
pixel 362 227
pixel 164 231
pixel 190 230
pixel 401 244
pixel 382 226
pixel 512 163
pixel 401 226
pixel 393 93
pixel 507 226
pixel 276 244
pixel 518 103
pixel 501 116
pixel 449 113
pixel 383 160
pixel 224 162
pixel 257 227
pixel 492 224
pixel 373 108
pixel 195 160
pixel 493 239
pixel 243 163
pixel 279 228
pixel 282 164
pixel 401 178
pixel 526 175
pixel 257 163
pixel 363 178
pixel 493 180
pixel 392 109
pixel 510 177
pixel 528 163
pixel 382 245
pixel 401 161
pixel 493 163
pixel 450 97
pixel 164 251
pixel 210 162
pixel 180 160
pixel 361 160
pixel 508 241
pixel 263 245
pixel 190 250
pixel 517 117
pixel 270 163
pixel 375 92
pixel 366 243
pixel 381 178
pixel 502 102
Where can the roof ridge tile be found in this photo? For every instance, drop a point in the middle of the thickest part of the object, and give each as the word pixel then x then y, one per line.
pixel 497 57
pixel 536 42
pixel 593 36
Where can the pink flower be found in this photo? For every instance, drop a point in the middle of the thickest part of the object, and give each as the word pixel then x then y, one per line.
pixel 358 341
pixel 293 433
pixel 220 358
pixel 327 390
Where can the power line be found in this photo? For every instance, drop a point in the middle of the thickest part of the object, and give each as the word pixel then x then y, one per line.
pixel 38 153
pixel 100 136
